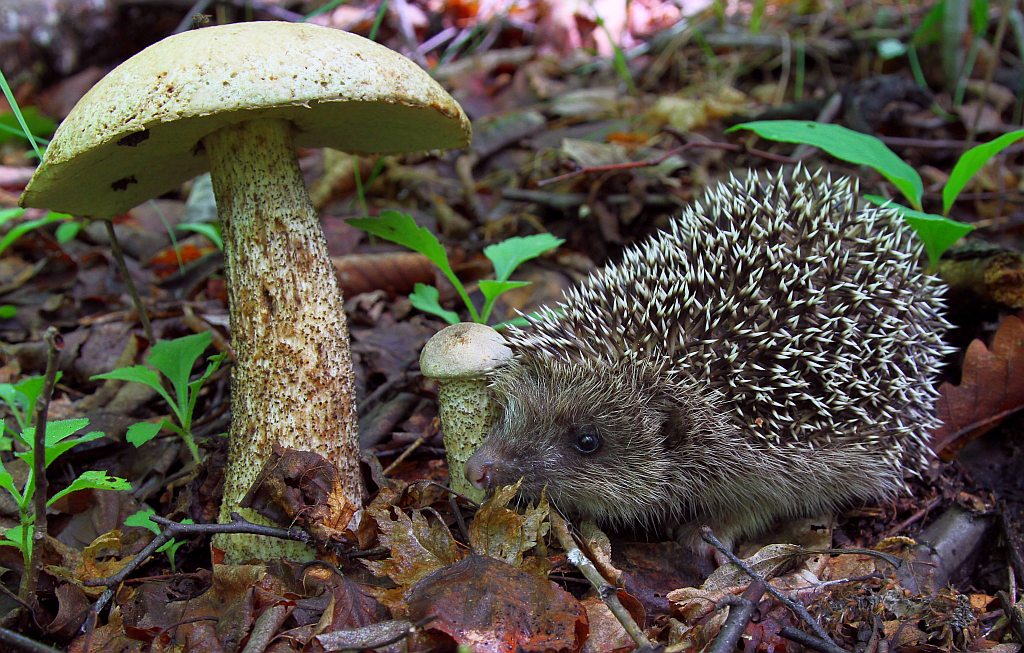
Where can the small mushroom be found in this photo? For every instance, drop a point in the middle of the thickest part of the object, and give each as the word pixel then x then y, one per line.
pixel 237 99
pixel 459 357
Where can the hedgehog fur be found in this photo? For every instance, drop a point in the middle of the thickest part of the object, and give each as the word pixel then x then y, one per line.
pixel 771 355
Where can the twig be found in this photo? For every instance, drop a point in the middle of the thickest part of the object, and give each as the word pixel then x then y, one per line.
pixel 374 636
pixel 741 609
pixel 27 592
pixel 23 643
pixel 405 454
pixel 606 592
pixel 115 249
pixel 655 161
pixel 810 641
pixel 172 529
pixel 798 608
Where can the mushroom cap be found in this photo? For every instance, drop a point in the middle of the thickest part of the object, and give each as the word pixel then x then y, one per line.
pixel 137 133
pixel 463 351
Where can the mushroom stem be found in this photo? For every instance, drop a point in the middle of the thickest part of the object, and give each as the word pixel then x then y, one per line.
pixel 292 382
pixel 466 410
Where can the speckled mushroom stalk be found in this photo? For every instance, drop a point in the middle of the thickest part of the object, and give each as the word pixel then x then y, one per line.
pixel 459 358
pixel 292 383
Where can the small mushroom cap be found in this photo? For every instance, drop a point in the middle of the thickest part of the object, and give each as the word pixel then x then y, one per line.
pixel 136 134
pixel 463 351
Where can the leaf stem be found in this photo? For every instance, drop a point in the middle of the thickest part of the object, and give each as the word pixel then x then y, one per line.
pixel 27 591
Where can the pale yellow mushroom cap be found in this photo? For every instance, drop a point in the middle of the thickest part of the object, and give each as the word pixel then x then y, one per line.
pixel 466 350
pixel 137 133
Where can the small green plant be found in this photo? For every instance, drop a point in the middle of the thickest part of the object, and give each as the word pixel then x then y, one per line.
pixel 142 520
pixel 937 232
pixel 21 119
pixel 19 230
pixel 506 256
pixel 619 62
pixel 209 229
pixel 20 400
pixel 173 359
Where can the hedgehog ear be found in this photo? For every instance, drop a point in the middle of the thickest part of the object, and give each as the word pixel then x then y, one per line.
pixel 676 420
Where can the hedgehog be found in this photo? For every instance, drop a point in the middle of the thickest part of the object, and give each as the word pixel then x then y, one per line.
pixel 771 355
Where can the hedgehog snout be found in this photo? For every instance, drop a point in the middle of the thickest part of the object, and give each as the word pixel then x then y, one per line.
pixel 480 471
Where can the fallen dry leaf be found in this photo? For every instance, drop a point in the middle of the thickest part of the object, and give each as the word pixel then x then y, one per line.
pixel 991 388
pixel 505 534
pixel 492 607
pixel 418 548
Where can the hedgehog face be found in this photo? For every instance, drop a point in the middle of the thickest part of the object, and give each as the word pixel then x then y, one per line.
pixel 581 430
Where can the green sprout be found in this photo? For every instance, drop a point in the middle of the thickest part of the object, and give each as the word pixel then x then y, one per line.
pixel 174 360
pixel 505 256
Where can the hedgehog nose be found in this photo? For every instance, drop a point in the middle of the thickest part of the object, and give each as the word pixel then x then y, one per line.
pixel 480 472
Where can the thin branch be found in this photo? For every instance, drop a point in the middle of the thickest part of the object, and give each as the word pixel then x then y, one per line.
pixel 22 643
pixel 27 592
pixel 798 608
pixel 172 529
pixel 655 161
pixel 741 610
pixel 608 593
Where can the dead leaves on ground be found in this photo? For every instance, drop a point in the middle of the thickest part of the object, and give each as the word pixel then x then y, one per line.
pixel 494 596
pixel 991 388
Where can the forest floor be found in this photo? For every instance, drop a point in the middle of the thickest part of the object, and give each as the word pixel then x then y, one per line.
pixel 596 123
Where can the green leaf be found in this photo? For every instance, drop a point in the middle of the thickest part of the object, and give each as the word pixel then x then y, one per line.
pixel 58 438
pixel 37 124
pixel 141 519
pixel 10 214
pixel 930 29
pixel 979 17
pixel 171 546
pixel 136 374
pixel 19 115
pixel 142 432
pixel 213 364
pixel 492 289
pixel 938 233
pixel 15 536
pixel 428 299
pixel 176 358
pixel 208 229
pixel 92 480
pixel 510 254
pixel 7 483
pixel 845 144
pixel 67 231
pixel 971 162
pixel 20 230
pixel 7 311
pixel 400 228
pixel 21 397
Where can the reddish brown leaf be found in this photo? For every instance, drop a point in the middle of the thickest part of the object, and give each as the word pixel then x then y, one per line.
pixel 418 548
pixel 72 608
pixel 991 388
pixel 301 487
pixel 493 607
pixel 394 272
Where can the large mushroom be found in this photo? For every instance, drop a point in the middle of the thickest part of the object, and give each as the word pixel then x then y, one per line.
pixel 236 99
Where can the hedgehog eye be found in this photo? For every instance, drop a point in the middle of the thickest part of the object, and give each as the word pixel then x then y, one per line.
pixel 587 440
